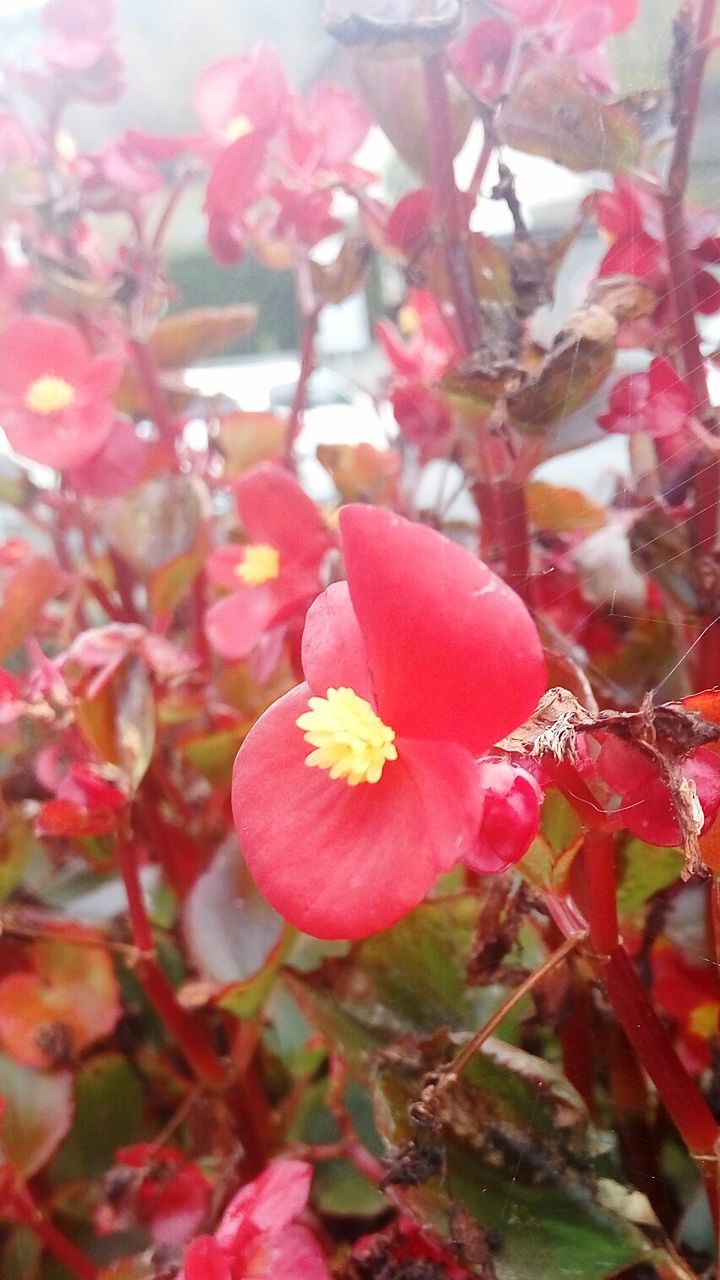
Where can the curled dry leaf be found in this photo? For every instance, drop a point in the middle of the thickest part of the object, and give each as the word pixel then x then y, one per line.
pixel 160 520
pixel 335 281
pixel 407 129
pixel 552 113
pixel 397 27
pixel 194 335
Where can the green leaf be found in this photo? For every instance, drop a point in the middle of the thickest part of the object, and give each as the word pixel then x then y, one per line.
pixel 339 1189
pixel 38 1114
pixel 517 1145
pixel 108 1114
pixel 418 968
pixel 552 113
pixel 20 1255
pixel 646 869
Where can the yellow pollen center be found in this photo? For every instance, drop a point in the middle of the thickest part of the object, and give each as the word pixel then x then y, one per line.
pixel 704 1019
pixel 261 564
pixel 238 127
pixel 349 738
pixel 49 394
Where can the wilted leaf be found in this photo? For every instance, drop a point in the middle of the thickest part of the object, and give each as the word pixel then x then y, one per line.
pixel 515 1138
pixel 162 519
pixel 35 581
pixel 192 336
pixel 399 27
pixel 558 510
pixel 335 281
pixel 552 113
pixel 38 1113
pixel 65 1002
pixel 407 129
pixel 119 721
pixel 249 438
pixel 229 928
pixel 361 473
pixel 570 374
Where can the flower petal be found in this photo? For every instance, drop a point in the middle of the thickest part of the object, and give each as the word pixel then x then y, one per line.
pixel 333 650
pixel 275 510
pixel 454 654
pixel 268 1203
pixel 235 625
pixel 341 861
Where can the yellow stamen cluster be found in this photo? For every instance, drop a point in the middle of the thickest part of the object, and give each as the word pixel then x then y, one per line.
pixel 49 394
pixel 260 564
pixel 238 127
pixel 349 738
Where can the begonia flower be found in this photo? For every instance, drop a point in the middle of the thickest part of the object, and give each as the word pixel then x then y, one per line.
pixel 656 403
pixel 357 789
pixel 511 815
pixel 632 217
pixel 275 575
pixel 157 1187
pixel 420 355
pixel 55 396
pixel 258 1234
pixel 646 802
pixel 243 94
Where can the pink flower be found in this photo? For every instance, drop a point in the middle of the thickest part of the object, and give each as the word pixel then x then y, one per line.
pixel 55 396
pixel 258 1235
pixel 410 676
pixel 275 576
pixel 511 815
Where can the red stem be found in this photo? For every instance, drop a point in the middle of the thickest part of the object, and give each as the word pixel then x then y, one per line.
pixel 516 538
pixel 207 1066
pixel 157 400
pixel 449 211
pixel 599 867
pixel 307 364
pixel 684 301
pixel 66 1252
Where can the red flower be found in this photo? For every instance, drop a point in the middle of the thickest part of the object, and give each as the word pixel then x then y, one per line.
pixel 244 94
pixel 277 573
pixel 258 1235
pixel 409 676
pixel 419 361
pixel 646 803
pixel 656 403
pixel 606 17
pixel 633 219
pixel 55 404
pixel 158 1187
pixel 511 815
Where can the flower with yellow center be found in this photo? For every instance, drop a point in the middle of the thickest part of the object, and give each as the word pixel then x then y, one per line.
pixel 49 394
pixel 261 564
pixel 350 740
pixel 238 127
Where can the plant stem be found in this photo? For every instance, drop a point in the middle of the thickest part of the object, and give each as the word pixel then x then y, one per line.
pixel 599 865
pixel 207 1066
pixel 154 393
pixel 449 211
pixel 307 364
pixel 468 1050
pixel 66 1252
pixel 684 301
